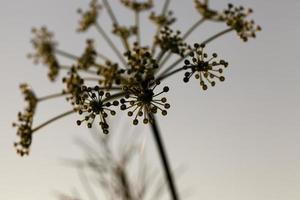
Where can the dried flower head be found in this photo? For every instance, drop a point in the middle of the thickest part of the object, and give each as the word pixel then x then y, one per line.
pixel 88 57
pixel 25 120
pixel 138 6
pixel 205 69
pixel 88 17
pixel 73 83
pixel 110 74
pixel 168 40
pixel 140 62
pixel 143 102
pixel 236 17
pixel 163 19
pixel 124 31
pixel 92 105
pixel 44 45
pixel 206 12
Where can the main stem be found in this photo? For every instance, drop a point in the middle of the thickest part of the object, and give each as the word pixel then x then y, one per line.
pixel 164 159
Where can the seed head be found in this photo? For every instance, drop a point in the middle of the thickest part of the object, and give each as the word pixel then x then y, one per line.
pixel 92 105
pixel 203 68
pixel 138 6
pixel 88 17
pixel 162 20
pixel 142 101
pixel 44 45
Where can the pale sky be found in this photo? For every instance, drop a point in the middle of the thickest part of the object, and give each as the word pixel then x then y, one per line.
pixel 236 141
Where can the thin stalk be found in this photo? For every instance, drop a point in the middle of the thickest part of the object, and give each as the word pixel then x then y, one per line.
pixel 51 96
pixel 65 67
pixel 164 159
pixel 66 54
pixel 169 74
pixel 53 120
pixel 208 40
pixel 114 96
pixel 186 55
pixel 103 57
pixel 115 22
pixel 110 43
pixel 163 12
pixel 192 28
pixel 137 25
pixel 110 13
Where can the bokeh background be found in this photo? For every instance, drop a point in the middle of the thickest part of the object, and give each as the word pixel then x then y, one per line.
pixel 238 140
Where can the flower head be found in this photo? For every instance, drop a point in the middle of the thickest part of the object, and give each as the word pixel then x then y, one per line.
pixel 206 12
pixel 163 19
pixel 73 84
pixel 138 6
pixel 89 17
pixel 110 74
pixel 236 17
pixel 88 58
pixel 25 120
pixel 44 45
pixel 205 69
pixel 124 31
pixel 92 105
pixel 142 101
pixel 168 40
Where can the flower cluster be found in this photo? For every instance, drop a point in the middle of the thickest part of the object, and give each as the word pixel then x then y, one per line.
pixel 141 101
pixel 138 6
pixel 124 32
pixel 95 84
pixel 205 69
pixel 44 45
pixel 206 12
pixel 88 17
pixel 92 104
pixel 88 57
pixel 236 17
pixel 168 40
pixel 25 120
pixel 163 19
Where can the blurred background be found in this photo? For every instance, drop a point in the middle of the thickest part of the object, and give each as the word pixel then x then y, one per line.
pixel 238 140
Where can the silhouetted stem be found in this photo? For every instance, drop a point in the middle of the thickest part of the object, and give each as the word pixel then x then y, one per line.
pixel 193 27
pixel 186 55
pixel 137 24
pixel 110 43
pixel 115 22
pixel 82 70
pixel 66 54
pixel 53 120
pixel 163 12
pixel 169 74
pixel 51 96
pixel 164 159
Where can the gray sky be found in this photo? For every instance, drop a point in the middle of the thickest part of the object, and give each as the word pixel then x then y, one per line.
pixel 238 140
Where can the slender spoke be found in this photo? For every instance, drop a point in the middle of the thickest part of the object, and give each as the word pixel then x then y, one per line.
pixel 53 120
pixel 193 27
pixel 51 96
pixel 110 43
pixel 66 54
pixel 137 25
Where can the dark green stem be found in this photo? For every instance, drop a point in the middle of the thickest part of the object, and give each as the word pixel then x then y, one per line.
pixel 164 159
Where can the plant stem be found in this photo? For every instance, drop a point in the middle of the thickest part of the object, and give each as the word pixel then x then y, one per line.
pixel 110 43
pixel 192 28
pixel 137 25
pixel 53 119
pixel 66 54
pixel 51 96
pixel 160 78
pixel 164 159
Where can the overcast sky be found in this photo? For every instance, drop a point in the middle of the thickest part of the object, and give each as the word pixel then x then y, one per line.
pixel 236 141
